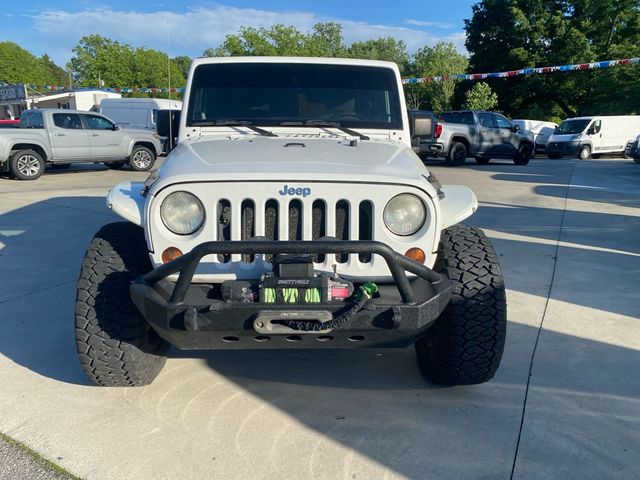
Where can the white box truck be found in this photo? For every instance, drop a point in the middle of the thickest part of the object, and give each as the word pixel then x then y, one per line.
pixel 589 137
pixel 137 112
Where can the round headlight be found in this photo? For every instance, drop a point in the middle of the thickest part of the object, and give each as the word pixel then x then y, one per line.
pixel 404 214
pixel 182 213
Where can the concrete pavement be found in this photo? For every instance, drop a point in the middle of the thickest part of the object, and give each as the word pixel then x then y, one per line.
pixel 567 235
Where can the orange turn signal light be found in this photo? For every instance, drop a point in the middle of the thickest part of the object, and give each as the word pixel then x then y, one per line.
pixel 170 253
pixel 416 254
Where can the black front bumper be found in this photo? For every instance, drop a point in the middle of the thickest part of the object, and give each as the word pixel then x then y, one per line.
pixel 563 148
pixel 184 314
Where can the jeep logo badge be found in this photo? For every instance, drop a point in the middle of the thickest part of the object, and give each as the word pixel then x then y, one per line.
pixel 295 191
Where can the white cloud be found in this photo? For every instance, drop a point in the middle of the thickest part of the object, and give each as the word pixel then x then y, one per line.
pixel 420 23
pixel 196 29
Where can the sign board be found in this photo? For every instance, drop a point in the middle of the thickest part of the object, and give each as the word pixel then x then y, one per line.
pixel 13 93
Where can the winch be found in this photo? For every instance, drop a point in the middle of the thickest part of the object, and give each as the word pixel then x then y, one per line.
pixel 292 281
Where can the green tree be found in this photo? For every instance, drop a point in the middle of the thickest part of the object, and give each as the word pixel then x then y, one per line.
pixel 324 40
pixel 480 97
pixel 439 60
pixel 100 61
pixel 184 63
pixel 388 49
pixel 17 65
pixel 513 34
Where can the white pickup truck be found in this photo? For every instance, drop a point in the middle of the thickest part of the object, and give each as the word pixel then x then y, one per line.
pixel 293 213
pixel 61 137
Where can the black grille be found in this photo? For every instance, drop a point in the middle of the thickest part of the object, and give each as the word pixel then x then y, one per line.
pixel 295 212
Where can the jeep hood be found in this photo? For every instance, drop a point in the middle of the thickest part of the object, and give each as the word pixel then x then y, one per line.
pixel 291 158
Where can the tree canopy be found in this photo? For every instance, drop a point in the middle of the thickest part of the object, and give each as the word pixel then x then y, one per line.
pixel 99 61
pixel 17 65
pixel 513 34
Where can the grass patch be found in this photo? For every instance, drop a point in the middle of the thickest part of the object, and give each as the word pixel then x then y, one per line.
pixel 37 457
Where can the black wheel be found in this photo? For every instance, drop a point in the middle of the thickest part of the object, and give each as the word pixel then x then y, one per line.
pixel 585 152
pixel 553 157
pixel 26 165
pixel 116 346
pixel 142 159
pixel 482 160
pixel 115 165
pixel 525 152
pixel 465 345
pixel 457 154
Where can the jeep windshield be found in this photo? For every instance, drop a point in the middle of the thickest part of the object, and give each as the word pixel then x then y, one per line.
pixel 572 126
pixel 273 94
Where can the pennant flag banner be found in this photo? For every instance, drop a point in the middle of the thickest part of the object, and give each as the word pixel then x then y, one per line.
pixel 525 71
pixel 57 88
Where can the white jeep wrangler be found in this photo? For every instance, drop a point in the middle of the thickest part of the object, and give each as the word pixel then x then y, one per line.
pixel 293 213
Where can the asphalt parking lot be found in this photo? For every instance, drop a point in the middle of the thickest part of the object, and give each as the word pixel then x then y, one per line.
pixel 564 404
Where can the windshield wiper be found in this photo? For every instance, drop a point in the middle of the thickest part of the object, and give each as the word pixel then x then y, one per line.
pixel 327 124
pixel 233 123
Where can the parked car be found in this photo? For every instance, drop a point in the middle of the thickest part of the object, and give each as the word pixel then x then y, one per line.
pixel 587 137
pixel 483 135
pixel 633 149
pixel 540 130
pixel 59 137
pixel 292 189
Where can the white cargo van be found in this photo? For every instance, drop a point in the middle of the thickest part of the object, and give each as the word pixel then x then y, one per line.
pixel 137 112
pixel 540 130
pixel 593 136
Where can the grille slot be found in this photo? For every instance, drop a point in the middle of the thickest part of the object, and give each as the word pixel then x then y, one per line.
pixel 248 231
pixel 295 220
pixel 365 227
pixel 318 225
pixel 271 223
pixel 224 225
pixel 342 227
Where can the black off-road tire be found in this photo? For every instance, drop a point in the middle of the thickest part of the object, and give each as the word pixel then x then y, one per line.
pixel 525 152
pixel 26 165
pixel 584 153
pixel 465 345
pixel 457 154
pixel 116 346
pixel 483 160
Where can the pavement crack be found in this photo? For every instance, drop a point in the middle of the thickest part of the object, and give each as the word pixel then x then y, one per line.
pixel 541 324
pixel 50 287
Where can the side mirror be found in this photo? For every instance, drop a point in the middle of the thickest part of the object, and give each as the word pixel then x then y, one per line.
pixel 515 128
pixel 591 131
pixel 115 128
pixel 168 120
pixel 421 124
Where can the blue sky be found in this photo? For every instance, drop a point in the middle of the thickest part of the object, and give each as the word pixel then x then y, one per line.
pixel 55 27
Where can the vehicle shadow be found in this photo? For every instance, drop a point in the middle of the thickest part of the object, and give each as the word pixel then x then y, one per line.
pixel 374 402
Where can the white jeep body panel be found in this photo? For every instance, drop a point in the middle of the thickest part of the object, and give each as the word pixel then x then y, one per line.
pixel 301 168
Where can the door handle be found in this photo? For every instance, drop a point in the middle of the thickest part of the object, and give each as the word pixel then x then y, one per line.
pixel 59 134
pixel 483 131
pixel 95 135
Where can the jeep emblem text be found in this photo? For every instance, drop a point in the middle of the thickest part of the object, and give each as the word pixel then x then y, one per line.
pixel 296 191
